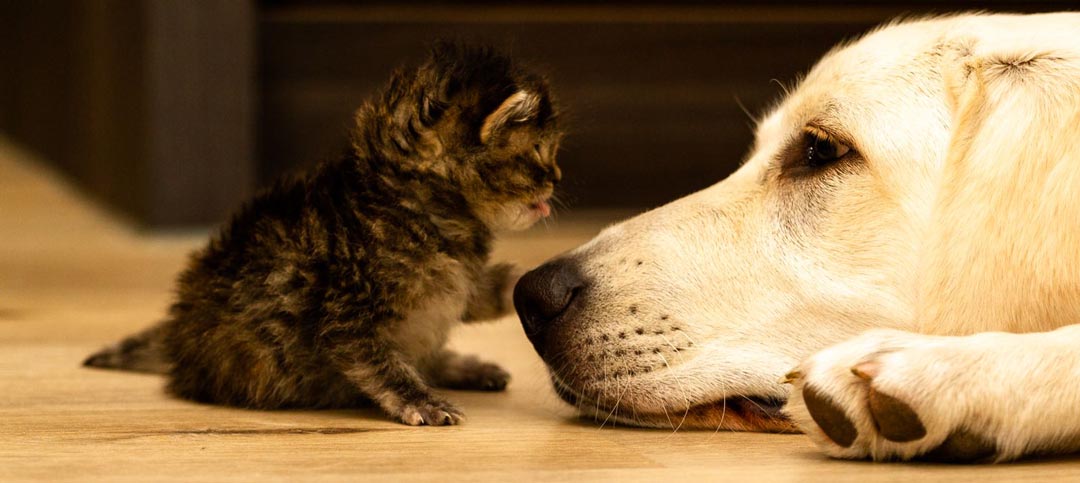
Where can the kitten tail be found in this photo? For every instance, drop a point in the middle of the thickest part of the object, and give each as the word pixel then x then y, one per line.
pixel 142 352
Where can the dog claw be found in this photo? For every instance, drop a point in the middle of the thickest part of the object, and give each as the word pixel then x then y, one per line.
pixel 866 371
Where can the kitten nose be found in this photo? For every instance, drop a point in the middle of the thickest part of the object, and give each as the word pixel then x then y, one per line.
pixel 544 294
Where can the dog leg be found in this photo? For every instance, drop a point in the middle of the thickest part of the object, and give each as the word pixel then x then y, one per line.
pixel 992 397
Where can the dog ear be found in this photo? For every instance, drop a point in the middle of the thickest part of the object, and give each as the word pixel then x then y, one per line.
pixel 1004 244
pixel 520 107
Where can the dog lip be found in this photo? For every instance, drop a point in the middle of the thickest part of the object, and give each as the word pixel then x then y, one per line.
pixel 768 407
pixel 563 391
pixel 740 412
pixel 736 413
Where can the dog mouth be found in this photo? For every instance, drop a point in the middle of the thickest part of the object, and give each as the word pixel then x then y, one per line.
pixel 733 413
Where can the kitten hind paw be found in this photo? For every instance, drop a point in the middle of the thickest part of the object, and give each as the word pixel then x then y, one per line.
pixel 471 374
pixel 487 377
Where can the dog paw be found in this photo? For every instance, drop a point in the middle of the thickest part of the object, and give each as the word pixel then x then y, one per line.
pixel 432 412
pixel 890 395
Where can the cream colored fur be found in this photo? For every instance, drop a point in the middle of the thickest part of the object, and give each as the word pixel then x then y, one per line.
pixel 962 216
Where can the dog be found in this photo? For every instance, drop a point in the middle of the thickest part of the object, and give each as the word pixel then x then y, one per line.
pixel 901 247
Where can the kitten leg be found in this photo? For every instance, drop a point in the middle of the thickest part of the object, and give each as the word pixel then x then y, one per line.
pixel 396 386
pixel 455 371
pixel 494 294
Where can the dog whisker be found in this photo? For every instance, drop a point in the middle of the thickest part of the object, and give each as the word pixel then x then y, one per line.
pixel 673 348
pixel 664 406
pixel 723 409
pixel 753 402
pixel 688 338
pixel 618 399
pixel 682 391
pixel 686 401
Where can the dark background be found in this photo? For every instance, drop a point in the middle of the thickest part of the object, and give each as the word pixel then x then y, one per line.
pixel 172 112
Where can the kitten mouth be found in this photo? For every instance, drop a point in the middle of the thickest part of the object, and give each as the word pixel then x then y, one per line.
pixel 541 208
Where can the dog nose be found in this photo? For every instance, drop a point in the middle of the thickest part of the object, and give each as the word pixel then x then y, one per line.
pixel 544 294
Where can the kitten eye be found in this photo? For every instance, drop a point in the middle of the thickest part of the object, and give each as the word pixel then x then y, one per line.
pixel 822 150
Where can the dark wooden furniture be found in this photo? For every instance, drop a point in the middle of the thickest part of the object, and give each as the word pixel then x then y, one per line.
pixel 174 111
pixel 147 105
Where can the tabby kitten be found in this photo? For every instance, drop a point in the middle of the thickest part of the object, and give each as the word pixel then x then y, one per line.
pixel 339 287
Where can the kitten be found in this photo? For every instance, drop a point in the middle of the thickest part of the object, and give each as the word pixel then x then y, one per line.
pixel 339 287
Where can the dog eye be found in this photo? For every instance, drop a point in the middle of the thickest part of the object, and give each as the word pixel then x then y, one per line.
pixel 822 150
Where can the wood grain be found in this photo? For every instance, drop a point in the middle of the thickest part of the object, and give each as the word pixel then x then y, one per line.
pixel 72 278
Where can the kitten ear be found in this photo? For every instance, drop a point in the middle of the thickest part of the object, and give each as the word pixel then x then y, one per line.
pixel 519 107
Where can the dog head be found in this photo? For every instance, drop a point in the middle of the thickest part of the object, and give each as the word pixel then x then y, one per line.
pixel 871 198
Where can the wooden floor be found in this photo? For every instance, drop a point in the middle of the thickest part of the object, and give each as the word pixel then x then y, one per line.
pixel 72 279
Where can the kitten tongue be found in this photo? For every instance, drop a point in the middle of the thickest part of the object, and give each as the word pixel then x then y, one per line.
pixel 543 207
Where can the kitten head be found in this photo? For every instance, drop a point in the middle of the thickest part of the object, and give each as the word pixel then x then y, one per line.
pixel 485 125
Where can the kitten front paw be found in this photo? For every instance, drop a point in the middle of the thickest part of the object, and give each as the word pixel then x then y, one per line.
pixel 500 282
pixel 511 273
pixel 431 412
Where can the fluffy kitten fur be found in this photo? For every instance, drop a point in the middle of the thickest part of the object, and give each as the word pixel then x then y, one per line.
pixel 339 287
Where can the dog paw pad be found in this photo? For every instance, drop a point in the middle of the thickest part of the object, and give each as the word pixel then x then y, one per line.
pixel 829 417
pixel 962 447
pixel 895 420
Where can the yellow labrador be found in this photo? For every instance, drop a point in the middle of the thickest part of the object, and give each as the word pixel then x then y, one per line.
pixel 922 182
